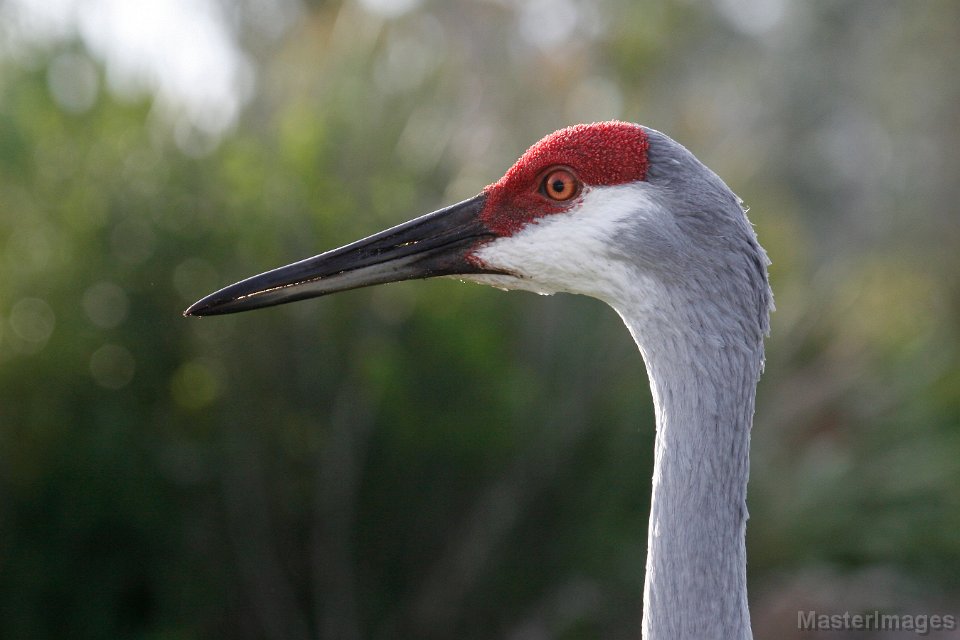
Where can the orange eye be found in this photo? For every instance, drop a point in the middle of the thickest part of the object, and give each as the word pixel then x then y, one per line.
pixel 560 185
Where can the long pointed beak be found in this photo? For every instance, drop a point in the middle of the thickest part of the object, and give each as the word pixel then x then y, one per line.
pixel 436 244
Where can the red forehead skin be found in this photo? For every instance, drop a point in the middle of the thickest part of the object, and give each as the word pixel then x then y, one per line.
pixel 600 154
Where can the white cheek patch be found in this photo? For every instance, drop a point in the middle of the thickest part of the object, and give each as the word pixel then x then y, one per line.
pixel 570 251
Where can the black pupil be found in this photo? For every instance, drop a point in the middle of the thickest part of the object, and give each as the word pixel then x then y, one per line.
pixel 557 185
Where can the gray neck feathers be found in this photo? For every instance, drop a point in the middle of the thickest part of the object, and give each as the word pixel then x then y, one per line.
pixel 703 390
pixel 699 313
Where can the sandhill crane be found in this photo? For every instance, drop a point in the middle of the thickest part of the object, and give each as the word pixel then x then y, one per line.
pixel 622 213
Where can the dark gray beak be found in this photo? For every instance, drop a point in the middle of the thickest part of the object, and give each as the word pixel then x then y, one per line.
pixel 436 244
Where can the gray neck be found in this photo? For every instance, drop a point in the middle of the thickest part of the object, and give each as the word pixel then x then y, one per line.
pixel 703 389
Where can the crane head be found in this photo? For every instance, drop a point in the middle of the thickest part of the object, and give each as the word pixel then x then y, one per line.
pixel 584 210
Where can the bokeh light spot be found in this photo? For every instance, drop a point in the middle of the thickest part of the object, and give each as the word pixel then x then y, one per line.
pixel 32 320
pixel 73 82
pixel 548 23
pixel 106 304
pixel 29 249
pixel 389 8
pixel 196 384
pixel 112 366
pixel 753 17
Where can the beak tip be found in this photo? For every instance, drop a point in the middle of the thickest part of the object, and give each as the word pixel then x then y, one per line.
pixel 204 307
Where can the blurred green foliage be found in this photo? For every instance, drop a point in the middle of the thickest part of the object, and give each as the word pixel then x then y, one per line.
pixel 434 459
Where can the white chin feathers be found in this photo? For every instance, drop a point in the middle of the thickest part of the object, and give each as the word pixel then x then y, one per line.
pixel 507 283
